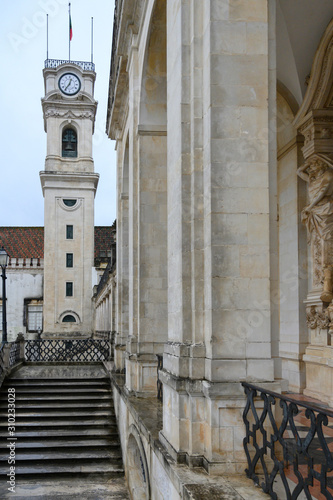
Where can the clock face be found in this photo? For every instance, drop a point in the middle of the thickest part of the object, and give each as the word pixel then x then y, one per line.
pixel 69 84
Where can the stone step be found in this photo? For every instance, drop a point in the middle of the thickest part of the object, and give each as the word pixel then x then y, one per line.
pixel 61 397
pixel 55 390
pixel 65 405
pixel 58 413
pixel 10 382
pixel 64 469
pixel 73 430
pixel 75 420
pixel 69 454
pixel 47 443
pixel 61 417
pixel 69 432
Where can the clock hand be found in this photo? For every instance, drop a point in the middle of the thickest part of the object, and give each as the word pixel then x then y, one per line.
pixel 70 81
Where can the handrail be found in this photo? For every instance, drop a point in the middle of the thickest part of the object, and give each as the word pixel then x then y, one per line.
pixel 275 446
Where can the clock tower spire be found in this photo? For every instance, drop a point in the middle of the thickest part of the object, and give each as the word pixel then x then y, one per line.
pixel 69 185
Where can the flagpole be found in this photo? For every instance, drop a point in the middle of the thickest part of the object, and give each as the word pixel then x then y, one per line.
pixel 69 31
pixel 92 39
pixel 47 36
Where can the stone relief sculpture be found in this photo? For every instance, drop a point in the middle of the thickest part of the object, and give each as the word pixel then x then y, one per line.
pixel 318 218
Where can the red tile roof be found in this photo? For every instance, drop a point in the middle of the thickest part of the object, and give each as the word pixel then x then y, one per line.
pixel 104 237
pixel 23 242
pixel 28 242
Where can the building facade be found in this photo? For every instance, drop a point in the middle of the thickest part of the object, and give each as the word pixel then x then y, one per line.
pixel 221 112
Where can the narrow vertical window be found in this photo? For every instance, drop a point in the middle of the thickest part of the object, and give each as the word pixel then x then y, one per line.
pixel 69 143
pixel 69 289
pixel 69 260
pixel 69 232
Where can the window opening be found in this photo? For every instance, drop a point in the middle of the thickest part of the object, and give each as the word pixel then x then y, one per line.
pixel 69 289
pixel 69 143
pixel 69 260
pixel 69 232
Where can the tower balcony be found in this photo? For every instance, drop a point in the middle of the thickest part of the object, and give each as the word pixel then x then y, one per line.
pixel 54 63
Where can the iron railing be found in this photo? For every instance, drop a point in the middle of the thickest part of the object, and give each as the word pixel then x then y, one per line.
pixel 159 382
pixel 287 444
pixel 74 350
pixel 54 63
pixel 14 354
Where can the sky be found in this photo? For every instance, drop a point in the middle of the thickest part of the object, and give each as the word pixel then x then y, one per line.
pixel 23 140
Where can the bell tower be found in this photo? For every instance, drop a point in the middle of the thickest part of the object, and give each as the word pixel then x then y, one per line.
pixel 69 186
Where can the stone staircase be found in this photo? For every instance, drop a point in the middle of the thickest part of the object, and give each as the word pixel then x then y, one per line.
pixel 64 428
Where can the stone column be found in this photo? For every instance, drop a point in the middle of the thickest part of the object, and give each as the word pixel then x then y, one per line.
pixel 150 206
pixel 218 227
pixel 122 328
pixel 133 219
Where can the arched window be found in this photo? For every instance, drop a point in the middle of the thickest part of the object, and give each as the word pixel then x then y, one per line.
pixel 69 318
pixel 69 143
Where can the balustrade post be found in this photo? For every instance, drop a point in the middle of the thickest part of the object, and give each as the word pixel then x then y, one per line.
pixel 22 345
pixel 6 355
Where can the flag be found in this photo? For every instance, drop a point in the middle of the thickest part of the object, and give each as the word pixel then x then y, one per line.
pixel 70 24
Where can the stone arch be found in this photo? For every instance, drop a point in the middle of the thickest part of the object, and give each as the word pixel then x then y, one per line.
pixel 154 71
pixel 137 467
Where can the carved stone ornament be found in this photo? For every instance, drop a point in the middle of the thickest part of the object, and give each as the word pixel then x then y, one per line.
pixel 318 218
pixel 329 314
pixel 318 215
pixel 69 114
pixel 316 318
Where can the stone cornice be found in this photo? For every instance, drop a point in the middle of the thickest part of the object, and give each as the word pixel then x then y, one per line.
pixel 85 180
pixel 128 17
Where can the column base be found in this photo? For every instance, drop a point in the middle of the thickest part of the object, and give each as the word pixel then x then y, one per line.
pixel 119 358
pixel 319 373
pixel 141 374
pixel 203 422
